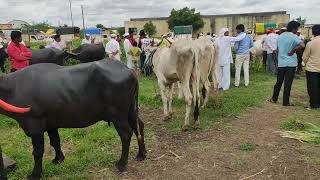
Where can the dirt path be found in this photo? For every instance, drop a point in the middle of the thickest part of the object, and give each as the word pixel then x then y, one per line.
pixel 215 154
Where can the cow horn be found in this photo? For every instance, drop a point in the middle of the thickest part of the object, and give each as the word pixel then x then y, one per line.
pixel 11 108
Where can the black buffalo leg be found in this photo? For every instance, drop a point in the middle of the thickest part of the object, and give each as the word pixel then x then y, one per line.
pixel 125 133
pixel 55 143
pixel 142 148
pixel 38 150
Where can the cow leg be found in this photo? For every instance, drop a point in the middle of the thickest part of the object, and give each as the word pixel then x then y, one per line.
pixel 196 115
pixel 38 150
pixel 170 97
pixel 125 133
pixel 55 143
pixel 180 92
pixel 139 130
pixel 206 94
pixel 188 100
pixel 164 95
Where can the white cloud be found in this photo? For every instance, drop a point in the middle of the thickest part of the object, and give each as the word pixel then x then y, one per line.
pixel 115 12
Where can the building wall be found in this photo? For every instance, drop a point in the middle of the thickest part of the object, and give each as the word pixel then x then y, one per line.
pixel 215 23
pixel 161 25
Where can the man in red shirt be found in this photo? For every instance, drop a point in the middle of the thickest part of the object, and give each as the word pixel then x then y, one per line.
pixel 131 39
pixel 18 53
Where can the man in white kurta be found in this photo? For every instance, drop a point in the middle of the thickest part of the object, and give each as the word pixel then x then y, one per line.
pixel 113 48
pixel 127 46
pixel 223 42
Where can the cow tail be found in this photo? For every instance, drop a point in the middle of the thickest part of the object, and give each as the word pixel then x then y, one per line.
pixel 137 111
pixel 196 71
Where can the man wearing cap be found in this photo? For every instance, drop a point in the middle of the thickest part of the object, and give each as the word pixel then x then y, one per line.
pixel 113 48
pixel 86 40
pixel 271 44
pixel 127 46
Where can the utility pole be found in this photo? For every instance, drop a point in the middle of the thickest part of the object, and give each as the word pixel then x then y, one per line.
pixel 82 17
pixel 71 12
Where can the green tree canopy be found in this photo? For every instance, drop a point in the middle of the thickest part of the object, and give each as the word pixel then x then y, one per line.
pixel 121 31
pixel 185 17
pixel 44 26
pixel 150 28
pixel 100 26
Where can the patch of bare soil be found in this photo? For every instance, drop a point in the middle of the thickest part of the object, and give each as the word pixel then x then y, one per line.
pixel 215 154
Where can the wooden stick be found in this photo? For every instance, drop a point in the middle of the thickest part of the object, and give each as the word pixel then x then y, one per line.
pixel 253 175
pixel 176 155
pixel 158 158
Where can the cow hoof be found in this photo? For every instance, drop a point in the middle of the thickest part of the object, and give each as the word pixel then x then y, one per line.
pixel 185 128
pixel 197 125
pixel 141 157
pixel 120 167
pixel 58 160
pixel 167 118
pixel 33 177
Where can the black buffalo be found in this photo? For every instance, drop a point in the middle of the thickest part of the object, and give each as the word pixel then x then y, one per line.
pixel 48 55
pixel 73 97
pixel 88 53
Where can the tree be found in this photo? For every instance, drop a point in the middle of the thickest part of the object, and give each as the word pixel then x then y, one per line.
pixel 150 28
pixel 36 27
pixel 100 26
pixel 301 21
pixel 121 31
pixel 184 17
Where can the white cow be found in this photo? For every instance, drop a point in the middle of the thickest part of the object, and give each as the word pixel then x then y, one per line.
pixel 208 66
pixel 180 63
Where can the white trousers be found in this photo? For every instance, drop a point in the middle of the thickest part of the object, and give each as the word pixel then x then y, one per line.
pixel 130 64
pixel 224 77
pixel 242 60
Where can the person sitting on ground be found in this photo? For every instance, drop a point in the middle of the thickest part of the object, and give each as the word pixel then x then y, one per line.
pixel 56 42
pixel 18 53
pixel 311 58
pixel 113 48
pixel 288 44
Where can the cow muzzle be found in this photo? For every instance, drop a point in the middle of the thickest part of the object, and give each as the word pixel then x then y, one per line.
pixel 10 108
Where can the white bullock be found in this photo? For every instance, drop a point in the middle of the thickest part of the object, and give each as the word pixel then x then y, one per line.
pixel 179 63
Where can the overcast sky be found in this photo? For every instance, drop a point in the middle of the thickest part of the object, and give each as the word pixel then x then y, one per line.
pixel 115 12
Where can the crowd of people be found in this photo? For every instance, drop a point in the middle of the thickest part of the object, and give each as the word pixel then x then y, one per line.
pixel 284 53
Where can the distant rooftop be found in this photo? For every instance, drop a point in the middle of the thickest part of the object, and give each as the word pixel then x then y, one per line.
pixel 220 15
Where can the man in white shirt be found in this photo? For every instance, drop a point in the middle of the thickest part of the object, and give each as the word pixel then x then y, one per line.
pixel 271 44
pixel 223 43
pixel 113 48
pixel 127 46
pixel 56 43
pixel 86 40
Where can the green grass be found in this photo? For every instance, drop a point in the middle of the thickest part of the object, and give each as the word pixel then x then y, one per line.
pixel 247 147
pixel 91 152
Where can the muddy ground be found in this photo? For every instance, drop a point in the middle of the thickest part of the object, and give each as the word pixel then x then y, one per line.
pixel 216 153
